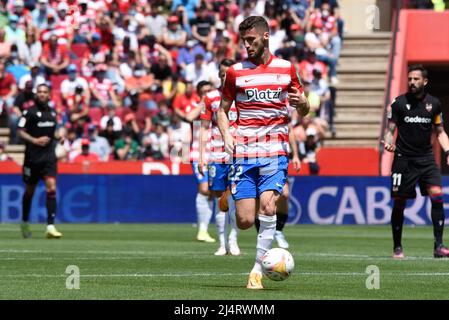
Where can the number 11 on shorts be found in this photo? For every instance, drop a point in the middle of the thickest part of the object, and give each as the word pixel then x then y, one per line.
pixel 397 179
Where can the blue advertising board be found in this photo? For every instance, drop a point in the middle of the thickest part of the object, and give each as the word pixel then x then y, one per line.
pixel 171 199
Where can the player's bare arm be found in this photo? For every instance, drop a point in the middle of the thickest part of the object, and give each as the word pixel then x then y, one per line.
pixel 389 137
pixel 295 152
pixel 41 141
pixel 195 113
pixel 202 163
pixel 223 124
pixel 299 101
pixel 443 139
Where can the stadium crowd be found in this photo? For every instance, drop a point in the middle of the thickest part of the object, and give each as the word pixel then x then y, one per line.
pixel 123 73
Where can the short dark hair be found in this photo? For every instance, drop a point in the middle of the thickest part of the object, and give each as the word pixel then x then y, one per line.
pixel 227 62
pixel 257 22
pixel 201 84
pixel 43 85
pixel 418 67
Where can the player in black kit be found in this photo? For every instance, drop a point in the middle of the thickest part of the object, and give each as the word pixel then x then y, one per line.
pixel 415 114
pixel 37 128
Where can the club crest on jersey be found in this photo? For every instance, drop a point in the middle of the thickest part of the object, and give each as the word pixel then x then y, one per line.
pixel 408 106
pixel 263 95
pixel 428 107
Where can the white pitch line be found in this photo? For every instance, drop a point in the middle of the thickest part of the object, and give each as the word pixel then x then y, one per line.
pixel 155 275
pixel 124 275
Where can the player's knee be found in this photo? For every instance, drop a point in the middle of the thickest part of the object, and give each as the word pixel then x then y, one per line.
pixel 268 209
pixel 245 223
pixel 400 202
pixel 436 195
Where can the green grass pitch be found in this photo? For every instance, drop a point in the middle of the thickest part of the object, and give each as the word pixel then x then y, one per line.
pixel 163 261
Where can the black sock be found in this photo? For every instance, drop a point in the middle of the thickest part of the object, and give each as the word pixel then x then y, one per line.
pixel 51 207
pixel 437 214
pixel 281 219
pixel 257 224
pixel 397 219
pixel 26 206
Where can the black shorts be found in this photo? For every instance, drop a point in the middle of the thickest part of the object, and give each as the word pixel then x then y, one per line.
pixel 407 172
pixel 33 172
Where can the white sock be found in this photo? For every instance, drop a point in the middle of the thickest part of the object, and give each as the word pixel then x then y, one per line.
pixel 233 220
pixel 203 211
pixel 264 239
pixel 220 221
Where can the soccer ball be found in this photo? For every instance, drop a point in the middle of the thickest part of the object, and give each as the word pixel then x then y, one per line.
pixel 277 264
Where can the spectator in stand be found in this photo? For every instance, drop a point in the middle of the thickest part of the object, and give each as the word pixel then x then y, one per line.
pixel 188 52
pixel 185 102
pixel 188 6
pixel 15 65
pixel 41 13
pixel 23 101
pixel 158 142
pixel 326 111
pixel 85 22
pixel 113 118
pixel 24 15
pixel 248 10
pixel 126 148
pixel 197 71
pixel 97 51
pixel 13 33
pixel 164 114
pixel 86 156
pixel 179 133
pixel 77 108
pixel 308 150
pixel 3 155
pixel 143 84
pixel 329 47
pixel 5 46
pixel 311 63
pixel 8 88
pixel 156 22
pixel 172 87
pixel 31 50
pixel 98 145
pixel 161 70
pixel 174 37
pixel 103 93
pixel 55 57
pixel 277 36
pixel 150 51
pixel 335 9
pixel 34 76
pixel 203 27
pixel 138 116
pixel 69 85
pixel 111 135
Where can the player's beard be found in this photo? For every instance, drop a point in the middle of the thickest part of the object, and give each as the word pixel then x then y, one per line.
pixel 416 90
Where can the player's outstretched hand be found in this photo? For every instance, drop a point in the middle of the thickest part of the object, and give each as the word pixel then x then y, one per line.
pixel 42 141
pixel 388 146
pixel 298 101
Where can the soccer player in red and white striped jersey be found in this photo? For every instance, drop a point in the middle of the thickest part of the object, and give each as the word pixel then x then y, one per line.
pixel 262 87
pixel 218 167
